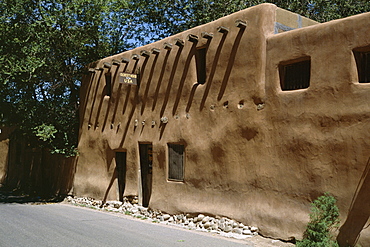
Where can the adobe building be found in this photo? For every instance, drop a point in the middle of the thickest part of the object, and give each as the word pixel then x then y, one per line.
pixel 4 151
pixel 252 116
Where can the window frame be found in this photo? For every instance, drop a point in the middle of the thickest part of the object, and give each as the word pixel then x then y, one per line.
pixel 171 176
pixel 108 83
pixel 362 59
pixel 289 75
pixel 201 64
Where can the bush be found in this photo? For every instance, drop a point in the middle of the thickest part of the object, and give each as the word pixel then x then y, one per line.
pixel 323 219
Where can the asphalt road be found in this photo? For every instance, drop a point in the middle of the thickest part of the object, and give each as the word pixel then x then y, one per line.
pixel 66 225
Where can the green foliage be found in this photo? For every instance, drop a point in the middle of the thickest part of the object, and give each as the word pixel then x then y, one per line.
pixel 167 17
pixel 45 45
pixel 323 219
pixel 45 132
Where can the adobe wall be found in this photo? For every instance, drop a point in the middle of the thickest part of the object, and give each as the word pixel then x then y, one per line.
pixel 168 88
pixel 252 152
pixel 4 145
pixel 320 134
pixel 4 150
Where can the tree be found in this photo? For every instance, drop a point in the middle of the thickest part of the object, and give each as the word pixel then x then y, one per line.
pixel 44 47
pixel 167 17
pixel 323 219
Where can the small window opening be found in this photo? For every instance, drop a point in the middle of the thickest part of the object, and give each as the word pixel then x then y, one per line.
pixel 176 162
pixel 295 75
pixel 200 60
pixel 108 84
pixel 362 57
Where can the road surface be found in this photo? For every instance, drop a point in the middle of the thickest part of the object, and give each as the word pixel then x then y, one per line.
pixel 66 225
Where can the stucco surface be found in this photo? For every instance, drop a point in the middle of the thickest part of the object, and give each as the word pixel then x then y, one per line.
pixel 252 152
pixel 4 146
pixel 4 150
pixel 322 133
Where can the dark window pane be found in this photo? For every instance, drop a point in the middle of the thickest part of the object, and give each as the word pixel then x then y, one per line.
pixel 295 75
pixel 200 59
pixel 176 162
pixel 363 66
pixel 108 84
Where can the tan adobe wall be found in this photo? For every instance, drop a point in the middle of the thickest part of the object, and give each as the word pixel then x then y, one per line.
pixel 321 134
pixel 162 76
pixel 4 146
pixel 252 152
pixel 4 149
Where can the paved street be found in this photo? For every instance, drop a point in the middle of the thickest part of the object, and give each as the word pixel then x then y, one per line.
pixel 66 225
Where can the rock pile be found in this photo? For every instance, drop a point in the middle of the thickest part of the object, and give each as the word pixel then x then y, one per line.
pixel 220 225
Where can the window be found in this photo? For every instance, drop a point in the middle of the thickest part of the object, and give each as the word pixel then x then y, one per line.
pixel 108 84
pixel 176 162
pixel 295 75
pixel 362 57
pixel 200 60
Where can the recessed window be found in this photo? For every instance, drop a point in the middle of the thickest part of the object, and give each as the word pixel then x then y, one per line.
pixel 176 162
pixel 295 75
pixel 362 57
pixel 108 84
pixel 200 60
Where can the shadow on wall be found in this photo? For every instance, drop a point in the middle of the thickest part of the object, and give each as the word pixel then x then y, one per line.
pixel 145 95
pixel 115 74
pixel 124 99
pixel 230 64
pixel 195 86
pixel 183 77
pixel 95 80
pixel 109 157
pixel 359 212
pixel 36 172
pixel 170 81
pixel 160 79
pixel 117 100
pixel 133 103
pixel 213 70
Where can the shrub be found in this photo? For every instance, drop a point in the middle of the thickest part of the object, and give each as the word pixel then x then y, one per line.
pixel 323 219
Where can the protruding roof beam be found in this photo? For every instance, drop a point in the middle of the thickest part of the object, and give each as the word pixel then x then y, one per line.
pixel 206 35
pixel 222 29
pixel 156 51
pixel 125 60
pixel 192 38
pixel 167 46
pixel 179 42
pixel 115 62
pixel 241 24
pixel 145 53
pixel 107 65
